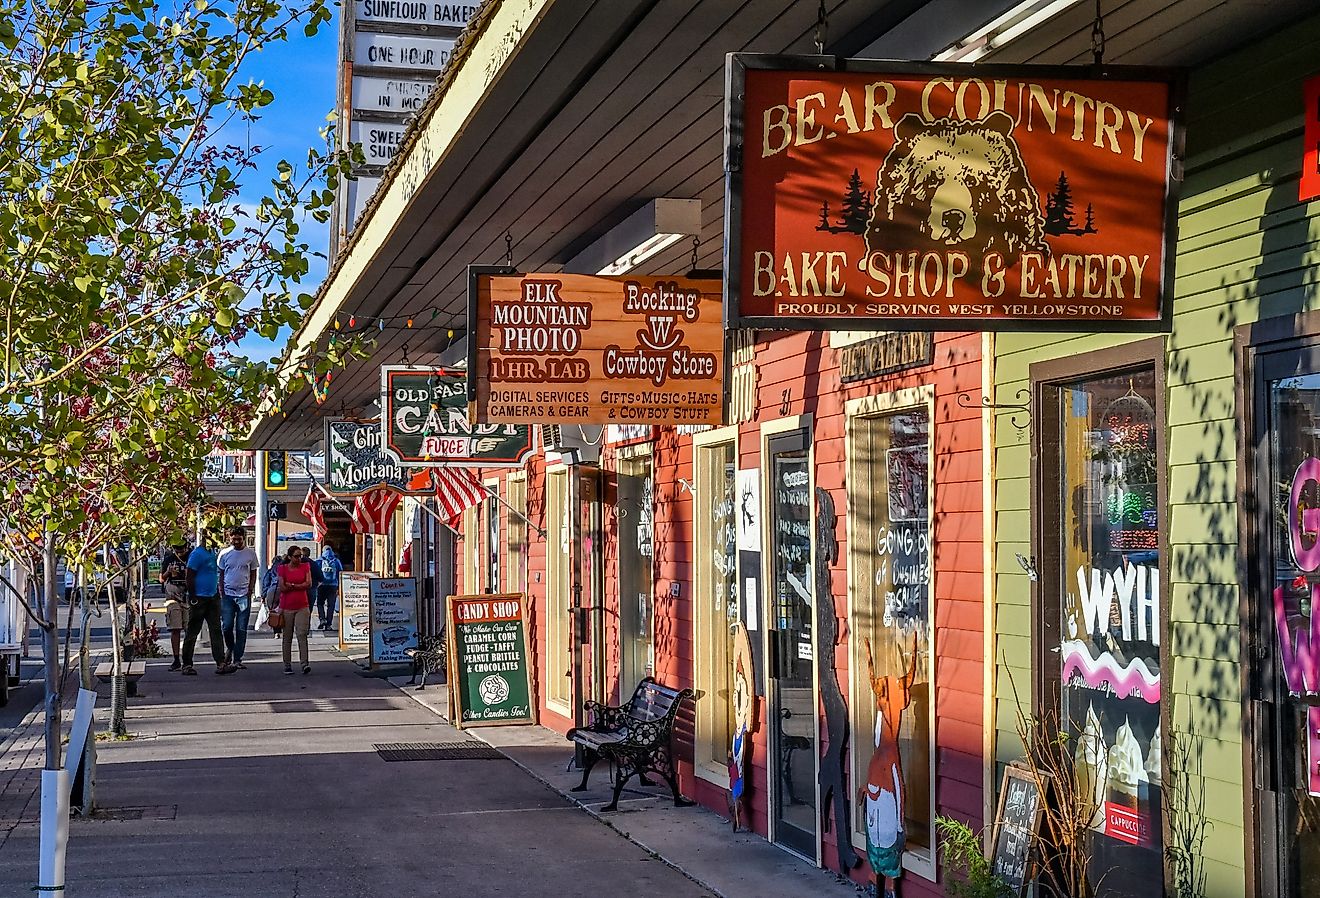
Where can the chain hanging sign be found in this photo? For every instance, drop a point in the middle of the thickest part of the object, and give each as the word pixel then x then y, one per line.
pixel 924 196
pixel 585 349
pixel 425 423
pixel 354 462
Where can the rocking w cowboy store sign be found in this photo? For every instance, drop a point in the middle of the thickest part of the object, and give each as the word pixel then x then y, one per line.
pixel 929 197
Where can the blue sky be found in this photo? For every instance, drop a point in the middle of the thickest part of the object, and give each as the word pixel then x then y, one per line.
pixel 301 72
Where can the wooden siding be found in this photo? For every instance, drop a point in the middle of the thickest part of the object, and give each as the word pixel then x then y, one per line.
pixel 1246 250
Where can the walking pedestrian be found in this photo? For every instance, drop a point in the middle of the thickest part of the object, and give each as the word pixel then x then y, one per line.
pixel 203 580
pixel 295 579
pixel 174 580
pixel 270 589
pixel 238 580
pixel 327 594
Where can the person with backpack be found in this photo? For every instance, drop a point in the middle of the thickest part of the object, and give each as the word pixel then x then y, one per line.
pixel 327 593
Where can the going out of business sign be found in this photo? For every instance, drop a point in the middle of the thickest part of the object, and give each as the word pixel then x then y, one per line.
pixel 895 196
pixel 424 423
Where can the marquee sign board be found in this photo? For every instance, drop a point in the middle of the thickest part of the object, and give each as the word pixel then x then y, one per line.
pixel 414 12
pixel 377 93
pixel 425 423
pixel 585 349
pixel 933 196
pixel 380 140
pixel 401 51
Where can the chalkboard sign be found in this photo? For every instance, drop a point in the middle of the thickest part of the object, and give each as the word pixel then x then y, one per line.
pixel 489 668
pixel 1016 826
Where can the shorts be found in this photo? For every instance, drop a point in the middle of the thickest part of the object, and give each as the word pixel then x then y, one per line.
pixel 176 612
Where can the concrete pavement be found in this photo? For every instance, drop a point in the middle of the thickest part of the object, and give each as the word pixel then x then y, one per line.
pixel 259 784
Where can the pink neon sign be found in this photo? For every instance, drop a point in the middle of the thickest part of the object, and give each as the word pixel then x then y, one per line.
pixel 1300 651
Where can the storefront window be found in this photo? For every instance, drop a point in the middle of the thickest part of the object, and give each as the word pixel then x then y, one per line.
pixel 890 565
pixel 559 684
pixel 490 515
pixel 716 605
pixel 1109 628
pixel 1294 441
pixel 517 542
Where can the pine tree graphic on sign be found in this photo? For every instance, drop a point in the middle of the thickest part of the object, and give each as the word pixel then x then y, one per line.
pixel 1059 211
pixel 856 209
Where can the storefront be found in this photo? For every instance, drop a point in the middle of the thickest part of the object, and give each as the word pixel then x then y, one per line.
pixel 1163 484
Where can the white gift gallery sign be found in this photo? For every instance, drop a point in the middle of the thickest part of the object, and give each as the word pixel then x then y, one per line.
pixel 373 93
pixel 401 51
pixel 380 140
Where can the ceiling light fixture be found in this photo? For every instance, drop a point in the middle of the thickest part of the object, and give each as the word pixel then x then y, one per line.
pixel 650 230
pixel 999 32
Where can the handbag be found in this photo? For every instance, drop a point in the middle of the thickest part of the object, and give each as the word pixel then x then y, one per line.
pixel 275 618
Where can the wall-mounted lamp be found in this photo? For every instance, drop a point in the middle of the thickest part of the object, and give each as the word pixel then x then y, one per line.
pixel 650 230
pixel 998 32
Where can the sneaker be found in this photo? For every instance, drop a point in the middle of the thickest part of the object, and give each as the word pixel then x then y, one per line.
pixel 176 665
pixel 288 669
pixel 307 668
pixel 225 669
pixel 190 671
pixel 239 665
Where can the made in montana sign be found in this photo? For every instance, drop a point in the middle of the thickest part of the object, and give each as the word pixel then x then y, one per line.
pixel 425 423
pixel 354 462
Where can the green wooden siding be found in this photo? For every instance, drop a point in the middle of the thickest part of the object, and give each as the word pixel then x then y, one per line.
pixel 1247 250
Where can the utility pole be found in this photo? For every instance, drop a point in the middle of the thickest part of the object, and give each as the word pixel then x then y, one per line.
pixel 259 475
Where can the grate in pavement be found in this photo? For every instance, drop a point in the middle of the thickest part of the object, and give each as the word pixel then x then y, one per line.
pixel 436 751
pixel 150 812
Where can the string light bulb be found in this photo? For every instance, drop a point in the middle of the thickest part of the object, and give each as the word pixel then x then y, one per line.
pixel 352 321
pixel 410 321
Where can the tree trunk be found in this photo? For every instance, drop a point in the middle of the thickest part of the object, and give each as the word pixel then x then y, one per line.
pixel 118 683
pixel 50 650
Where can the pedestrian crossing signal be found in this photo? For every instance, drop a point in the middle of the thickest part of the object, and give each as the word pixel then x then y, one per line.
pixel 277 470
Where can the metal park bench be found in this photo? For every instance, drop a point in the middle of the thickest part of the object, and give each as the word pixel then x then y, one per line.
pixel 428 657
pixel 634 737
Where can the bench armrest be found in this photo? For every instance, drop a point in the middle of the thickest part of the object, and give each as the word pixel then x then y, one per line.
pixel 605 718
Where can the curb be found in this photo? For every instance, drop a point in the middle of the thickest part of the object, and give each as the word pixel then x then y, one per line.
pixel 594 814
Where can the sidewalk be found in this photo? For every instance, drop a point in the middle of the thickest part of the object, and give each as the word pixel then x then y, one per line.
pixel 263 785
pixel 693 840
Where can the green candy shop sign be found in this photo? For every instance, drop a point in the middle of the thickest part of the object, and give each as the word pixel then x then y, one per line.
pixel 491 674
pixel 425 423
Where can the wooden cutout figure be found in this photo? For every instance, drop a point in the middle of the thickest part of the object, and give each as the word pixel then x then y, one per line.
pixel 744 721
pixel 833 766
pixel 883 794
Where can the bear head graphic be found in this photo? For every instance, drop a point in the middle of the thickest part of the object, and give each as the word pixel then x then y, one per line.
pixel 962 185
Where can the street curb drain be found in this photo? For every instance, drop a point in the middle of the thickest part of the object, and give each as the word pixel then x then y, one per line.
pixel 437 751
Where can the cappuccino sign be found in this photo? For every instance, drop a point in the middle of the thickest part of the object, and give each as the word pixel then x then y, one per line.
pixel 921 196
pixel 583 349
pixel 425 423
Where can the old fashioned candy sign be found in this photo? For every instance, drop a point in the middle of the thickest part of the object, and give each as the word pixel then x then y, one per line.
pixel 582 349
pixel 926 196
pixel 425 423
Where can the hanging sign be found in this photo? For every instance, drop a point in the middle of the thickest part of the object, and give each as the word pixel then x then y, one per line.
pixel 583 349
pixel 921 196
pixel 393 619
pixel 490 664
pixel 375 93
pixel 355 464
pixel 414 12
pixel 425 423
pixel 354 608
pixel 1309 188
pixel 401 51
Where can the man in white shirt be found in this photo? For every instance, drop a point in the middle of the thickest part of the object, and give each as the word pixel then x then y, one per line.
pixel 238 580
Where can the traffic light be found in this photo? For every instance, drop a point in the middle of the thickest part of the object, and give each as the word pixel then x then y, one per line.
pixel 277 511
pixel 277 470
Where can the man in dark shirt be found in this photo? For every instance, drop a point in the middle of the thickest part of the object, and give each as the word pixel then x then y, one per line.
pixel 174 579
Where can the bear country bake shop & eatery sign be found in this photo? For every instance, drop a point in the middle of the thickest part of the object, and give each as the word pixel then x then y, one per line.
pixel 424 422
pixel 584 349
pixel 927 196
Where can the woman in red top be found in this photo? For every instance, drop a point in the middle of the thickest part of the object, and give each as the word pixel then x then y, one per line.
pixel 295 579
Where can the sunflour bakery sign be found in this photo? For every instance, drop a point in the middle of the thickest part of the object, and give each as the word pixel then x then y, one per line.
pixel 583 349
pixel 924 196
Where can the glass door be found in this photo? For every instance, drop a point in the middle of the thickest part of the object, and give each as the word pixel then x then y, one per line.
pixel 792 694
pixel 636 571
pixel 1288 748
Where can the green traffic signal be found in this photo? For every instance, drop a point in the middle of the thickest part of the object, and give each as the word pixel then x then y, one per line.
pixel 277 464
